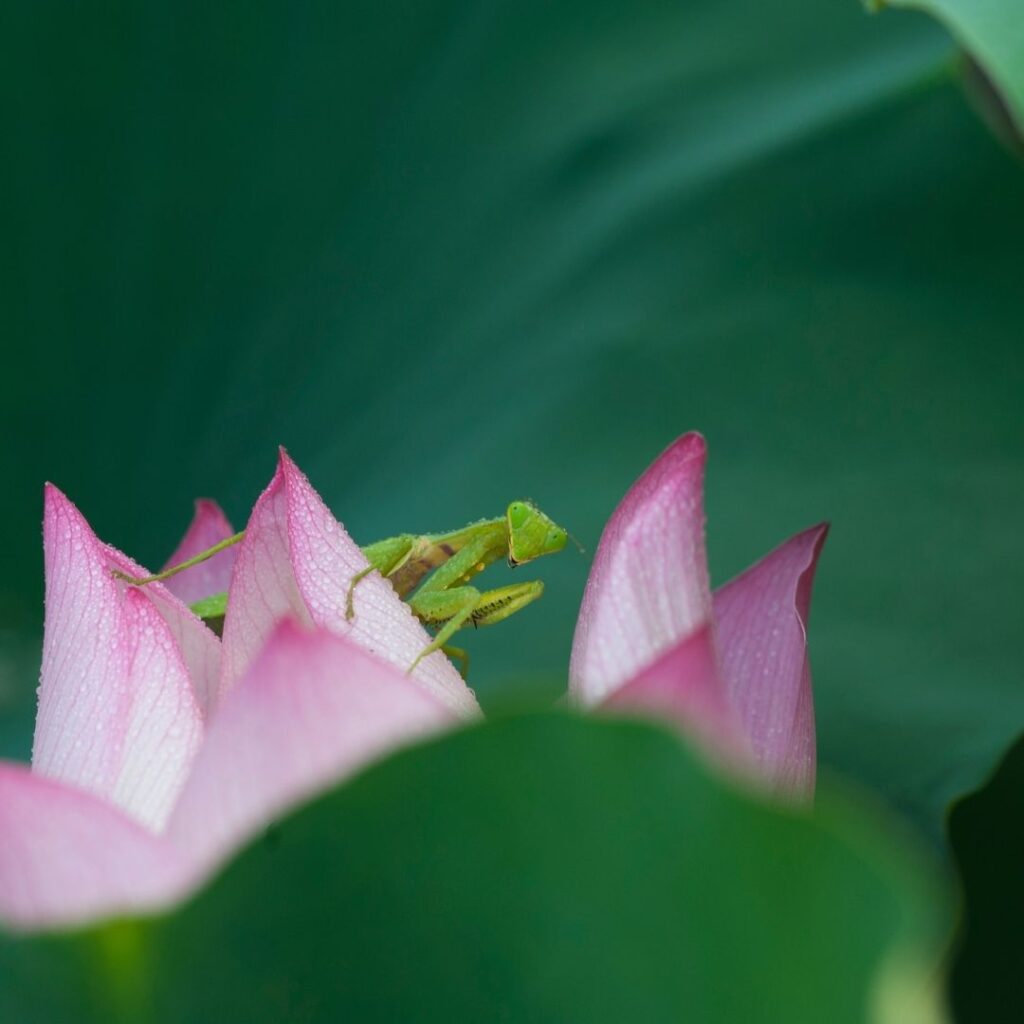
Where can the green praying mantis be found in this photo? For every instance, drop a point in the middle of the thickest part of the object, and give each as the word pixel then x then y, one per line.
pixel 435 569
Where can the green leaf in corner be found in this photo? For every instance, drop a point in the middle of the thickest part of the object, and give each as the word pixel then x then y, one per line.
pixel 986 830
pixel 992 31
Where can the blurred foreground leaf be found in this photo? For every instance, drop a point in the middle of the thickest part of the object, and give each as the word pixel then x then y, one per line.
pixel 536 869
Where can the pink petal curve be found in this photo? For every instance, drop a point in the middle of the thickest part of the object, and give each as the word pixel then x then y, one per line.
pixel 684 688
pixel 68 857
pixel 117 715
pixel 164 726
pixel 297 560
pixel 209 526
pixel 313 708
pixel 761 630
pixel 648 587
pixel 200 647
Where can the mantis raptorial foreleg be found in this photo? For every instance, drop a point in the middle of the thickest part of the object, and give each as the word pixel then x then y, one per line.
pixel 498 604
pixel 460 606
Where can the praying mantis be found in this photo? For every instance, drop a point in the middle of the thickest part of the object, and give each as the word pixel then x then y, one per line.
pixel 439 567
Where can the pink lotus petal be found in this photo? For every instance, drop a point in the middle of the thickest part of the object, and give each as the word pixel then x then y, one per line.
pixel 82 685
pixel 313 708
pixel 761 620
pixel 200 647
pixel 648 587
pixel 297 560
pixel 683 686
pixel 163 728
pixel 117 715
pixel 67 857
pixel 209 526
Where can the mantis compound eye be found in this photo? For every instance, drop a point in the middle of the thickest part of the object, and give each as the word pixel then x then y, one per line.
pixel 556 539
pixel 519 514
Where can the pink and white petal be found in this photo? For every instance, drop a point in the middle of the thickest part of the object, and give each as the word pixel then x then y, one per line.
pixel 164 726
pixel 761 630
pixel 113 690
pixel 325 559
pixel 209 526
pixel 648 587
pixel 68 857
pixel 683 687
pixel 199 646
pixel 83 694
pixel 263 589
pixel 298 560
pixel 313 708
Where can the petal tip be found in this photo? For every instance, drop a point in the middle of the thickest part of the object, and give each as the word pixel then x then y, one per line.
pixel 815 537
pixel 810 542
pixel 683 459
pixel 690 445
pixel 287 470
pixel 61 517
pixel 276 481
pixel 681 455
pixel 680 465
pixel 208 507
pixel 819 532
pixel 54 497
pixel 287 466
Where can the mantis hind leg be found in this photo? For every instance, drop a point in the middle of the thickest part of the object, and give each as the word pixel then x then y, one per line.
pixel 450 609
pixel 459 655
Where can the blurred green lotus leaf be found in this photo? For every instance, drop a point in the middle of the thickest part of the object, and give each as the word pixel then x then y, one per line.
pixel 542 868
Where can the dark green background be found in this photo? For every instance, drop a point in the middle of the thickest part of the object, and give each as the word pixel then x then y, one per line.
pixel 453 253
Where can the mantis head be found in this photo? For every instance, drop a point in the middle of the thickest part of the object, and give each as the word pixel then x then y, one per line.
pixel 531 534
